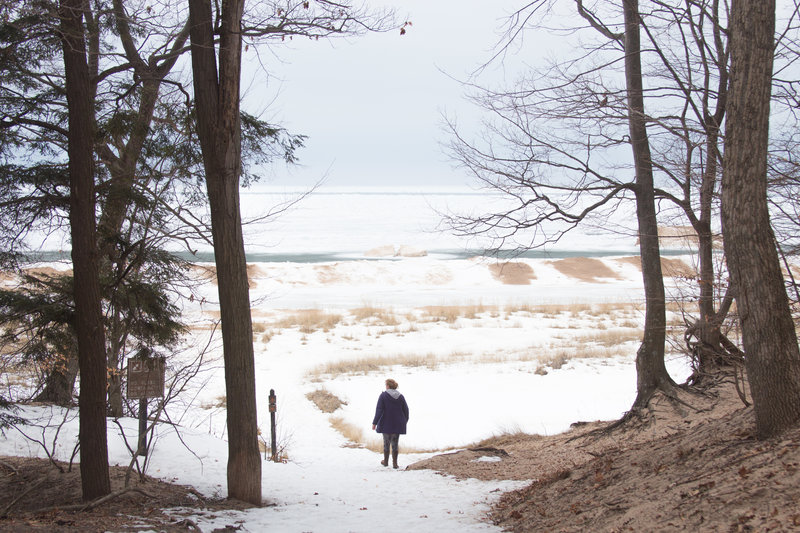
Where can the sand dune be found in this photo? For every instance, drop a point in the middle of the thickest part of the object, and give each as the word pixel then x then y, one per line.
pixel 682 237
pixel 670 267
pixel 515 273
pixel 585 269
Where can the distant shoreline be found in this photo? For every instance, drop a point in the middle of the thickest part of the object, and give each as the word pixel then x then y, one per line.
pixel 46 256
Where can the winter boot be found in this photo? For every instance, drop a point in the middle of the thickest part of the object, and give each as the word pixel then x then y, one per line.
pixel 385 461
pixel 394 458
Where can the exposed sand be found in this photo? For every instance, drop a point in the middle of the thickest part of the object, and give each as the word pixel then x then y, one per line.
pixel 205 271
pixel 670 267
pixel 585 269
pixel 328 274
pixel 512 273
pixel 695 470
pixel 47 271
pixel 683 237
pixel 39 272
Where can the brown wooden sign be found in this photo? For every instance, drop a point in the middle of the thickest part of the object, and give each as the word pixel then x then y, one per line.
pixel 146 378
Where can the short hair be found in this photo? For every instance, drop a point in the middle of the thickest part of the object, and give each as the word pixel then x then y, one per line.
pixel 392 384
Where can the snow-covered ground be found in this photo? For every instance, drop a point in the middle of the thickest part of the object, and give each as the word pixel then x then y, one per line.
pixel 474 354
pixel 478 377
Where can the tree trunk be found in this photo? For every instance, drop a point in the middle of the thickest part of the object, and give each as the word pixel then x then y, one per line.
pixel 60 382
pixel 88 315
pixel 711 354
pixel 650 370
pixel 772 357
pixel 116 343
pixel 219 130
pixel 708 353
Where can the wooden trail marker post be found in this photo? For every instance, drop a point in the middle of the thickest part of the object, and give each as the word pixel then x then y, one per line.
pixel 145 380
pixel 273 406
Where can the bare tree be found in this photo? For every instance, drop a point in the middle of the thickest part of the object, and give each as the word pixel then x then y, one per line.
pixel 216 67
pixel 770 341
pixel 549 151
pixel 692 60
pixel 651 374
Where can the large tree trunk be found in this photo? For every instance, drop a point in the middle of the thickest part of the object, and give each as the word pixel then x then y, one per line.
pixel 772 358
pixel 219 130
pixel 650 369
pixel 88 315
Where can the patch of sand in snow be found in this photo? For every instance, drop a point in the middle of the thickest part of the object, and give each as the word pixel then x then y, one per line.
pixel 512 273
pixel 585 269
pixel 672 268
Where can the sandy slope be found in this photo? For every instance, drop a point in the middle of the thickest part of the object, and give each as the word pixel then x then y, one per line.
pixel 697 469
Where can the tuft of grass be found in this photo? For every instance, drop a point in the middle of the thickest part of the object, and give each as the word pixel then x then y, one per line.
pixel 576 309
pixel 451 313
pixel 375 315
pixel 366 365
pixel 327 402
pixel 357 439
pixel 310 321
pixel 504 438
pixel 353 433
pixel 609 338
pixel 443 313
pixel 475 311
pixel 558 359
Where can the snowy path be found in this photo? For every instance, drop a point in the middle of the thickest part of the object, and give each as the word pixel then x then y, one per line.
pixel 324 488
pixel 346 490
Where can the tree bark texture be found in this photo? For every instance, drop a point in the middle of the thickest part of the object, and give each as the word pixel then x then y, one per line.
pixel 650 369
pixel 88 313
pixel 768 332
pixel 219 130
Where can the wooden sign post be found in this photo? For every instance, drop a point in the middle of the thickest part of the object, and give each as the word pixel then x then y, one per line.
pixel 273 407
pixel 145 380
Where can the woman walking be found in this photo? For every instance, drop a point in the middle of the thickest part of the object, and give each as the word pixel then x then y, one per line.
pixel 391 416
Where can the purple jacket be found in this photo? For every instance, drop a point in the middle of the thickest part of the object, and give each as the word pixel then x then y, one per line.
pixel 391 413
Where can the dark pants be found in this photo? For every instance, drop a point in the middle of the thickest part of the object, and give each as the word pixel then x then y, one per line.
pixel 392 439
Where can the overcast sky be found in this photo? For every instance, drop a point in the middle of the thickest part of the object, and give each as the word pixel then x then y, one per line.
pixel 372 106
